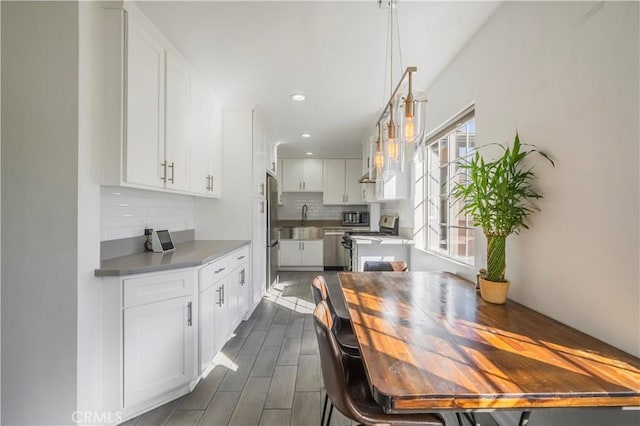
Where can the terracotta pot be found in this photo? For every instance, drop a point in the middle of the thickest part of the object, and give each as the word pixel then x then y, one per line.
pixel 494 292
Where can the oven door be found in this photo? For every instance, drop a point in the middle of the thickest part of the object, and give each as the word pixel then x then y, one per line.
pixel 346 258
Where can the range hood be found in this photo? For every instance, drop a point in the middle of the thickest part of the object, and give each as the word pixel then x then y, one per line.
pixel 366 179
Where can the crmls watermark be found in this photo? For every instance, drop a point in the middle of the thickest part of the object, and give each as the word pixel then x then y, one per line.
pixel 96 417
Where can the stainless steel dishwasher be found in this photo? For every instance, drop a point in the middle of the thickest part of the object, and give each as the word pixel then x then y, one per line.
pixel 333 250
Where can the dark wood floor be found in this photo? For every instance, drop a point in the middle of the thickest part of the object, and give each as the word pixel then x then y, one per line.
pixel 268 373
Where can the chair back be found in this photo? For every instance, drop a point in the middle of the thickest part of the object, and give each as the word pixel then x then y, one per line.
pixel 321 293
pixel 393 266
pixel 319 289
pixel 331 360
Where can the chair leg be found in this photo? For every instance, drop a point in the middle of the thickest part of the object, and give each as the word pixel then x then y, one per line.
pixel 459 417
pixel 324 409
pixel 330 412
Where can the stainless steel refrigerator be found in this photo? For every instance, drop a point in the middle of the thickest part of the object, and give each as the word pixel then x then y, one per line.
pixel 272 231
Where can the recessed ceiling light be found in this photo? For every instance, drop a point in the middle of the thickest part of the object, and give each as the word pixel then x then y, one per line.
pixel 299 97
pixel 309 153
pixel 305 135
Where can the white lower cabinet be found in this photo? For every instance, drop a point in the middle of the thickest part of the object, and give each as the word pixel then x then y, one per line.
pixel 161 331
pixel 159 346
pixel 305 254
pixel 221 315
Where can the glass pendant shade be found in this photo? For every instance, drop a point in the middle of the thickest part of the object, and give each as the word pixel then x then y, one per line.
pixel 393 149
pixel 412 120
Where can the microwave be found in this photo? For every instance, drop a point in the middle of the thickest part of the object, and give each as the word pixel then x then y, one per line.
pixel 353 218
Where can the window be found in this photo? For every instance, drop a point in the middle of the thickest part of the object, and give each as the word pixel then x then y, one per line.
pixel 446 231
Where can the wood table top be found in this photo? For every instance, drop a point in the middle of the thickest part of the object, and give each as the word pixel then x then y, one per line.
pixel 429 342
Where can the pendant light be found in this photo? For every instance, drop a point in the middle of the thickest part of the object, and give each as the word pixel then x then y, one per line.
pixel 399 143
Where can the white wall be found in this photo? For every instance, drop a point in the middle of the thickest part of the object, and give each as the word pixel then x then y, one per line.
pixel 567 79
pixel 39 211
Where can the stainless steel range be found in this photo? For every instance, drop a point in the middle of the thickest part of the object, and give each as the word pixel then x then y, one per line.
pixel 389 226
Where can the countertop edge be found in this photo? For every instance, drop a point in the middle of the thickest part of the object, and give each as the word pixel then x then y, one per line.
pixel 114 271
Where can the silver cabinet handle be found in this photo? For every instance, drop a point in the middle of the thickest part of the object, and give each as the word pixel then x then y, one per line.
pixel 241 257
pixel 219 291
pixel 208 183
pixel 189 316
pixel 164 171
pixel 211 182
pixel 304 185
pixel 242 277
pixel 261 206
pixel 223 293
pixel 273 166
pixel 262 189
pixel 172 166
pixel 299 185
pixel 363 194
pixel 219 270
pixel 346 197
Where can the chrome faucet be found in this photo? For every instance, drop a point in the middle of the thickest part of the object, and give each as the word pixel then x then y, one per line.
pixel 304 214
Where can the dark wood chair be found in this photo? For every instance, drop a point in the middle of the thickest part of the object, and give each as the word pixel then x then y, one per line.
pixel 341 326
pixel 393 266
pixel 346 382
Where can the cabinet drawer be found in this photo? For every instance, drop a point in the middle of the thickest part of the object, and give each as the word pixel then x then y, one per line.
pixel 153 288
pixel 213 272
pixel 238 257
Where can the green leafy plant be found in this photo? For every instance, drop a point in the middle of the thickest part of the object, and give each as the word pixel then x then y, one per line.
pixel 498 195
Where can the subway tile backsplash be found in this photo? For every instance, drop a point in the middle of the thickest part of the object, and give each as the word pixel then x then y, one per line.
pixel 292 202
pixel 124 212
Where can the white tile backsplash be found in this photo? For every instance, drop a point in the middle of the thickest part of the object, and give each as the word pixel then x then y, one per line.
pixel 292 202
pixel 124 212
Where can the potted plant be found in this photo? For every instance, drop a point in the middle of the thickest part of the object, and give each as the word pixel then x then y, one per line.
pixel 498 195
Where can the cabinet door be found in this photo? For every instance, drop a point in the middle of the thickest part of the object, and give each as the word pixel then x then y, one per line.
pixel 213 129
pixel 221 314
pixel 333 182
pixel 231 298
pixel 243 293
pixel 149 330
pixel 199 182
pixel 259 171
pixel 353 172
pixel 177 123
pixel 258 251
pixel 290 253
pixel 279 182
pixel 208 299
pixel 312 253
pixel 144 142
pixel 312 175
pixel 291 175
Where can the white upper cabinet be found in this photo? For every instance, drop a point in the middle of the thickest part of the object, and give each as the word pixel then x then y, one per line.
pixel 353 188
pixel 334 176
pixel 206 141
pixel 341 182
pixel 177 123
pixel 144 140
pixel 301 175
pixel 155 128
pixel 259 146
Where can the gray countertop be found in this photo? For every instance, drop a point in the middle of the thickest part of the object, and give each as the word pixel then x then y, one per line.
pixel 193 253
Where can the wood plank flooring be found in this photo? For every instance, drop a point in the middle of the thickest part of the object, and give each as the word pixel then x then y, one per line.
pixel 276 377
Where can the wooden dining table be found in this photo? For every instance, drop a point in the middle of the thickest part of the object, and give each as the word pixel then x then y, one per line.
pixel 430 343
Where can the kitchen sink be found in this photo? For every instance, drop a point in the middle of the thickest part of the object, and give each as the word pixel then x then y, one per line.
pixel 301 233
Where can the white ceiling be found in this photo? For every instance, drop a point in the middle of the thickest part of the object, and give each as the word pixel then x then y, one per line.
pixel 259 53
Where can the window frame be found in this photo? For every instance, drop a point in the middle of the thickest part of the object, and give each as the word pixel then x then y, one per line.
pixel 446 131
